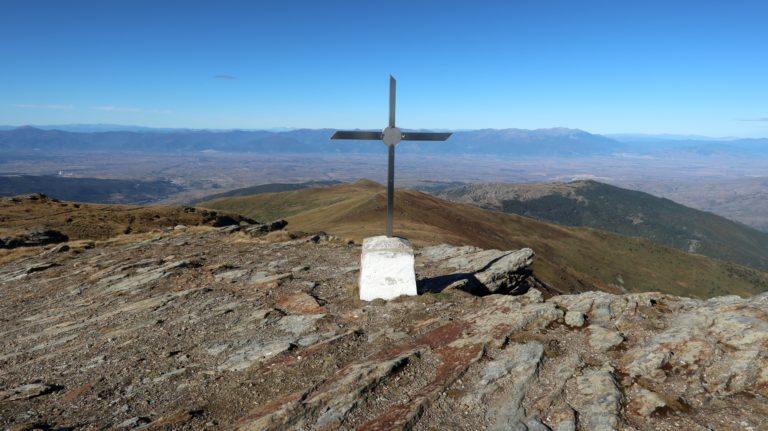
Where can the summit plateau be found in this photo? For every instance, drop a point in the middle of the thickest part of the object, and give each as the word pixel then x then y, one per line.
pixel 253 327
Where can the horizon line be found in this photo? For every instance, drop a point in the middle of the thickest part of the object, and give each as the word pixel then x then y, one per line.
pixel 279 129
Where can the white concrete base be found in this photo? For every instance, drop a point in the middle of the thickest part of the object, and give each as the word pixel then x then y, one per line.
pixel 386 268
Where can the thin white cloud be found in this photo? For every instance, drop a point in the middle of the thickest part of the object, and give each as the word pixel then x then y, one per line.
pixel 57 107
pixel 111 108
pixel 224 77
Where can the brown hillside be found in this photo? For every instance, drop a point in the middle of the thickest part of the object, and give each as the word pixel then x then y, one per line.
pixel 95 222
pixel 569 259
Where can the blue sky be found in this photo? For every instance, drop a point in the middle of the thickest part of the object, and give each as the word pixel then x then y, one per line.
pixel 681 67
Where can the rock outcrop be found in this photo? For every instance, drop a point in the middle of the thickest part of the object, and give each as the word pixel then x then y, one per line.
pixel 37 220
pixel 218 328
pixel 481 271
pixel 33 238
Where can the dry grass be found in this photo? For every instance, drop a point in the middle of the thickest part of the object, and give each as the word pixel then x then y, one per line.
pixel 7 256
pixel 126 239
pixel 569 259
pixel 93 221
pixel 279 236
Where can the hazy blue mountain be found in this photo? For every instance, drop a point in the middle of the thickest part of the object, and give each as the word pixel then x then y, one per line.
pixel 89 128
pixel 738 147
pixel 542 142
pixel 682 145
pixel 515 142
pixel 641 137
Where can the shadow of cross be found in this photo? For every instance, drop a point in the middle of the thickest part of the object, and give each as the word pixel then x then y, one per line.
pixel 391 136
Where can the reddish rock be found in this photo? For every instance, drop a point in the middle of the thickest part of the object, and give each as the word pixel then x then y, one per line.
pixel 300 303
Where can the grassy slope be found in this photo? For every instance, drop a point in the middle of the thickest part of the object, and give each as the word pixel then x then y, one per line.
pixel 660 220
pixel 266 188
pixel 570 259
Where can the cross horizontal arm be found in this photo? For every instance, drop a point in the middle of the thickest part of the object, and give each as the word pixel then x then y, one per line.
pixel 425 136
pixel 356 134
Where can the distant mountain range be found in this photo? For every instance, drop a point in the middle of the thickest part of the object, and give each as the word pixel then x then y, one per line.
pixel 627 212
pixel 508 141
pixel 88 128
pixel 641 137
pixel 561 142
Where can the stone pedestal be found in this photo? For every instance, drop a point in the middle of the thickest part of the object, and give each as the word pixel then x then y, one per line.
pixel 386 268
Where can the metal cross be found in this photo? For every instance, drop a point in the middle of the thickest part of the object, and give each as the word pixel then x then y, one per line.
pixel 391 137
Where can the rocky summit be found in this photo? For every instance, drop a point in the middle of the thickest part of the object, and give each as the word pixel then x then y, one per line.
pixel 243 328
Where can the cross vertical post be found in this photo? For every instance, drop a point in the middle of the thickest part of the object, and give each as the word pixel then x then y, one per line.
pixel 391 191
pixel 391 136
pixel 387 262
pixel 392 98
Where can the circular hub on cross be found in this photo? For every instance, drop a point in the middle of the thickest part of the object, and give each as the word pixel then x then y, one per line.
pixel 392 136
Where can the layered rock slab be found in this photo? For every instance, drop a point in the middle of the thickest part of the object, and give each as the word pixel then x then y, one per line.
pixel 151 334
pixel 482 271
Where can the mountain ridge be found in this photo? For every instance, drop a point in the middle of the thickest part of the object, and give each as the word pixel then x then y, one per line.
pixel 486 141
pixel 590 203
pixel 557 141
pixel 576 259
